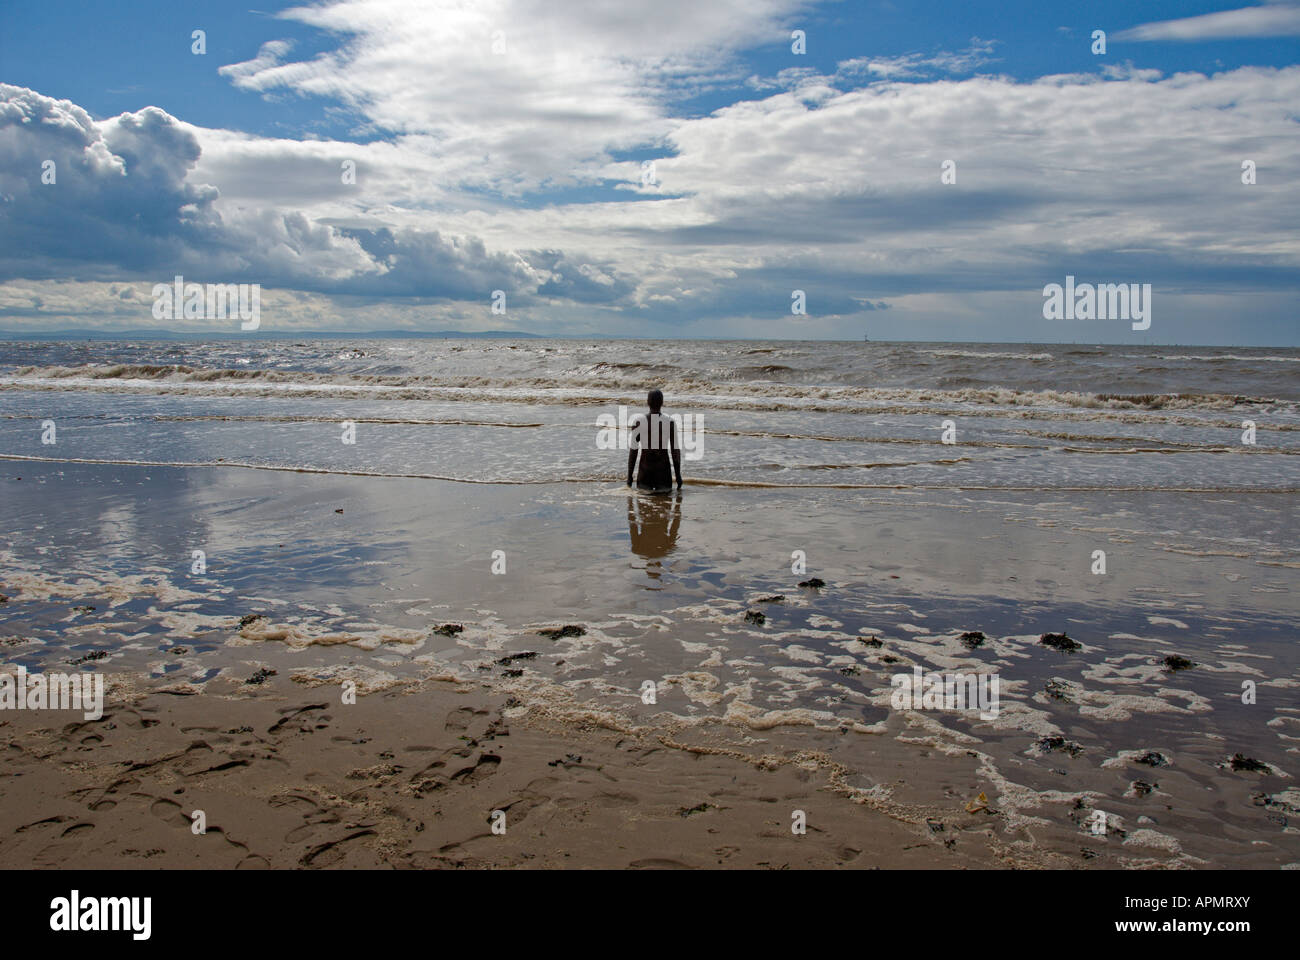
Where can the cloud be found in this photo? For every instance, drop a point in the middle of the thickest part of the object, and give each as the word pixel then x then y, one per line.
pixel 491 173
pixel 1139 175
pixel 1279 19
pixel 116 192
pixel 264 70
pixel 122 204
pixel 913 65
pixel 519 94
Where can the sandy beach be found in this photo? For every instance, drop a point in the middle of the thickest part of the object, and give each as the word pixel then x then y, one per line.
pixel 523 692
pixel 412 779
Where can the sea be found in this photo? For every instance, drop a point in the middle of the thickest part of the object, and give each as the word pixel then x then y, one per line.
pixel 820 414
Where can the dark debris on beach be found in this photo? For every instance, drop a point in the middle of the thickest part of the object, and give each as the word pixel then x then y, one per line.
pixel 1240 762
pixel 1060 641
pixel 755 616
pixel 1152 759
pixel 560 633
pixel 1272 802
pixel 448 629
pixel 972 639
pixel 1057 689
pixel 1048 744
pixel 698 808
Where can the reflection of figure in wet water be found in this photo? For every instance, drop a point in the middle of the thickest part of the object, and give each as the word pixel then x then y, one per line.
pixel 654 436
pixel 652 524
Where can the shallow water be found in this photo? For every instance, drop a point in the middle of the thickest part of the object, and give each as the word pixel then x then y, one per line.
pixel 784 414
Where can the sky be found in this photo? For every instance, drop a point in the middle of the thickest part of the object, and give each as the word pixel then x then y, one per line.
pixel 917 170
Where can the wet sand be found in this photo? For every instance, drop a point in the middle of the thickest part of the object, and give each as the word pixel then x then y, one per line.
pixel 411 779
pixel 326 579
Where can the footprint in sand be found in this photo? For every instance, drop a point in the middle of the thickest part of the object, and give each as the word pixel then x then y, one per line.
pixel 65 847
pixel 306 831
pixel 46 823
pixel 517 809
pixel 296 801
pixel 331 852
pixel 657 864
pixel 607 799
pixel 168 811
pixel 460 719
pixel 293 713
pixel 486 766
pixel 315 818
pixel 115 788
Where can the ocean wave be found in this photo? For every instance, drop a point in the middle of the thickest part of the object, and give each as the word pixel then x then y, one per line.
pixel 1226 356
pixel 640 367
pixel 768 368
pixel 569 388
pixel 988 355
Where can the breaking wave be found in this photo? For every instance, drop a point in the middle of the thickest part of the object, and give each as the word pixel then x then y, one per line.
pixel 573 387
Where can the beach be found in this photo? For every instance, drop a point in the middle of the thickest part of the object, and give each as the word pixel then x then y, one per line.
pixel 473 573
